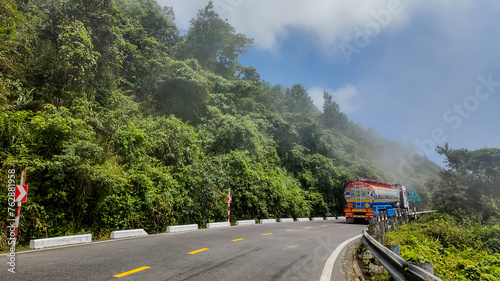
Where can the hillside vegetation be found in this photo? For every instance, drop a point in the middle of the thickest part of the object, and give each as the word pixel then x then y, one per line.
pixel 462 241
pixel 123 123
pixel 457 249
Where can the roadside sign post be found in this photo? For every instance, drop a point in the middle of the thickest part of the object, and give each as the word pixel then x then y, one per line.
pixel 413 197
pixel 20 196
pixel 229 200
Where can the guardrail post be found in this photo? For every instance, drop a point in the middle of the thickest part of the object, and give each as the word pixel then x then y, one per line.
pixel 427 266
pixel 395 249
pixel 381 233
pixel 373 228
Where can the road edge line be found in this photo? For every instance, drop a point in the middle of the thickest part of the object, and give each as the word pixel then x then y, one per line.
pixel 326 275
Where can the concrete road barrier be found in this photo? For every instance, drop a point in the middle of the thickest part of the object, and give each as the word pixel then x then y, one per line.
pixel 60 241
pixel 180 228
pixel 245 222
pixel 263 221
pixel 302 219
pixel 128 233
pixel 331 218
pixel 318 219
pixel 218 224
pixel 286 220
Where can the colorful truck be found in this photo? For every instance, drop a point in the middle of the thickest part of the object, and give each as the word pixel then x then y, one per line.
pixel 371 199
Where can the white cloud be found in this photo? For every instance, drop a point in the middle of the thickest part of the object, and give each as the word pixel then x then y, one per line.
pixel 316 95
pixel 343 96
pixel 184 11
pixel 266 21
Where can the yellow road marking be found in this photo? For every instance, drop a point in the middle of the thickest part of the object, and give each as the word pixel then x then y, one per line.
pixel 325 225
pixel 197 251
pixel 267 234
pixel 131 271
pixel 289 230
pixel 308 227
pixel 239 239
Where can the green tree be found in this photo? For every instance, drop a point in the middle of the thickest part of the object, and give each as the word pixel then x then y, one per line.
pixel 18 56
pixel 214 42
pixel 153 21
pixel 250 73
pixel 471 180
pixel 296 102
pixel 181 90
pixel 332 117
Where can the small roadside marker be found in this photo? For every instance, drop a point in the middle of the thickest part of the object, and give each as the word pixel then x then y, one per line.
pixel 267 234
pixel 239 239
pixel 131 271
pixel 197 251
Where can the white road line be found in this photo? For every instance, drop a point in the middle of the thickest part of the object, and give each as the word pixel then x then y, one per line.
pixel 326 275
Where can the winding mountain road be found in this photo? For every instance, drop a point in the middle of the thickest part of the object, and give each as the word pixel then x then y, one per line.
pixel 281 251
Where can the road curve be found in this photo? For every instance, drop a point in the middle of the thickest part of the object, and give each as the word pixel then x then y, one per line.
pixel 281 251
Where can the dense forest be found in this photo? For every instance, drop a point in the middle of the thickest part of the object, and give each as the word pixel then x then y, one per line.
pixel 121 122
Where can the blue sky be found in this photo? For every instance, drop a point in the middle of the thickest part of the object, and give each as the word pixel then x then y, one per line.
pixel 420 72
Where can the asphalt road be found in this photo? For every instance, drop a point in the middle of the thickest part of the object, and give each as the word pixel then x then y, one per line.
pixel 281 251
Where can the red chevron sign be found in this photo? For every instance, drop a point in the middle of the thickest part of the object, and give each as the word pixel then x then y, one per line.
pixel 21 193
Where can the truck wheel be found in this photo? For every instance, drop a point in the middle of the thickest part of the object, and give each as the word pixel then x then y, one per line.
pixel 349 220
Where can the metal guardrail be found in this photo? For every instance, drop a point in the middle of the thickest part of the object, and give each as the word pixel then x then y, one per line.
pixel 399 269
pixel 424 212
